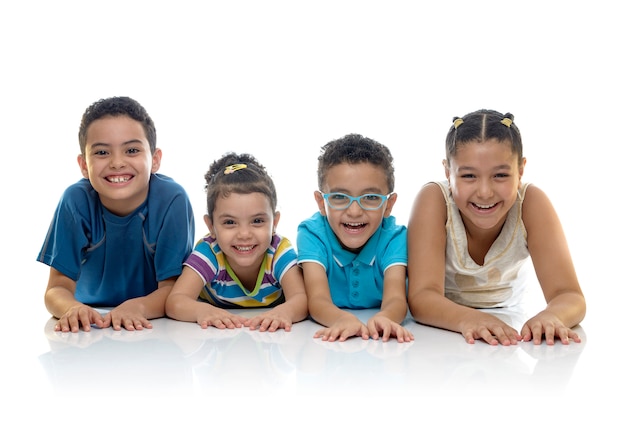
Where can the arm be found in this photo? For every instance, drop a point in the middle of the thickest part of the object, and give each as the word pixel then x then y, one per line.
pixel 183 304
pixel 388 321
pixel 555 271
pixel 294 309
pixel 340 324
pixel 426 271
pixel 61 303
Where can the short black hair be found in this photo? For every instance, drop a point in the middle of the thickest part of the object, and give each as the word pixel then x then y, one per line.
pixel 116 106
pixel 353 149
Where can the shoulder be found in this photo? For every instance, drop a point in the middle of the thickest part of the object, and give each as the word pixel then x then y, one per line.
pixel 537 209
pixel 534 198
pixel 81 193
pixel 163 184
pixel 313 224
pixel 166 195
pixel 280 243
pixel 389 226
pixel 430 200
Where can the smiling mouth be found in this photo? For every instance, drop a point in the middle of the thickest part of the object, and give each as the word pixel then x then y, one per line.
pixel 243 248
pixel 484 207
pixel 119 179
pixel 354 226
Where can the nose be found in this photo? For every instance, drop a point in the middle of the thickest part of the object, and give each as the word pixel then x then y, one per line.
pixel 243 232
pixel 117 160
pixel 354 208
pixel 484 189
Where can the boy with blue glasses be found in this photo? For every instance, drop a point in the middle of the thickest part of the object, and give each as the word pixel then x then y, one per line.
pixel 352 252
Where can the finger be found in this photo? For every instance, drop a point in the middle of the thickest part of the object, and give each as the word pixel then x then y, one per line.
pixel 469 337
pixel 386 333
pixel 365 333
pixel 373 329
pixel 526 334
pixel 549 334
pixel 564 335
pixel 81 320
pixel 507 336
pixel 537 331
pixel 64 325
pixel 128 324
pixel 106 321
pixel 486 335
pixel 574 336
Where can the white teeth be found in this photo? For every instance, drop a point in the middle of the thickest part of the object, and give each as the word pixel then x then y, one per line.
pixel 355 225
pixel 484 206
pixel 244 248
pixel 118 179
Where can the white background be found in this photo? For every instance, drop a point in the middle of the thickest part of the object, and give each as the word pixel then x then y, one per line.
pixel 279 79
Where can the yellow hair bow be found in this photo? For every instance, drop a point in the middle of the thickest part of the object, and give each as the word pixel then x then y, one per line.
pixel 234 168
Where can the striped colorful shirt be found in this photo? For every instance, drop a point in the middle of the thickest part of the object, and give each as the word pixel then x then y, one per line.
pixel 223 289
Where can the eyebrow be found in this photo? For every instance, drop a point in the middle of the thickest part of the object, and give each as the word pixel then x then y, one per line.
pixel 469 168
pixel 235 217
pixel 125 143
pixel 371 190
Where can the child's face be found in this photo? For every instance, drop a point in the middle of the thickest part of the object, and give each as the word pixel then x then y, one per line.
pixel 118 162
pixel 243 225
pixel 484 179
pixel 354 226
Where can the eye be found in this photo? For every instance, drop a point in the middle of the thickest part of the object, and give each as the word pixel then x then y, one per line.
pixel 133 150
pixel 258 221
pixel 228 222
pixel 372 199
pixel 99 153
pixel 338 199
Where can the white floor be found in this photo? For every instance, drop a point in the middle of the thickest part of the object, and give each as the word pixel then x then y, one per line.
pixel 180 382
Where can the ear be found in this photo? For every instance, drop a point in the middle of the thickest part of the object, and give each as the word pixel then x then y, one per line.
pixel 319 199
pixel 446 168
pixel 209 223
pixel 156 160
pixel 521 168
pixel 83 166
pixel 276 219
pixel 390 202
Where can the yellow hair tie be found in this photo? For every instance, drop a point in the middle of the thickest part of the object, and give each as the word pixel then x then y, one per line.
pixel 457 122
pixel 234 168
pixel 507 122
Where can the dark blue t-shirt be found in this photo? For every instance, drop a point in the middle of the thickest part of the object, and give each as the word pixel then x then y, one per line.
pixel 112 258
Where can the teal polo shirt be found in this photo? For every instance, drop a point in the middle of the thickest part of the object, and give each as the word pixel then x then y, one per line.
pixel 355 279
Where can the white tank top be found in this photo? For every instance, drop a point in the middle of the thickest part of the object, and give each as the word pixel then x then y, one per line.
pixel 500 281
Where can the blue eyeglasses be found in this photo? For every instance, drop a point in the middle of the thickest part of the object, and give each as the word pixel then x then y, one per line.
pixel 368 202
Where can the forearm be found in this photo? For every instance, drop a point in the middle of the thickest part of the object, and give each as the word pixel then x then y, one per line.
pixel 394 309
pixel 429 307
pixel 569 307
pixel 297 307
pixel 152 306
pixel 326 313
pixel 59 300
pixel 184 308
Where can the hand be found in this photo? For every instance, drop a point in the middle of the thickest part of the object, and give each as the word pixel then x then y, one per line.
pixel 270 321
pixel 489 328
pixel 77 316
pixel 129 315
pixel 546 324
pixel 342 329
pixel 381 324
pixel 219 318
